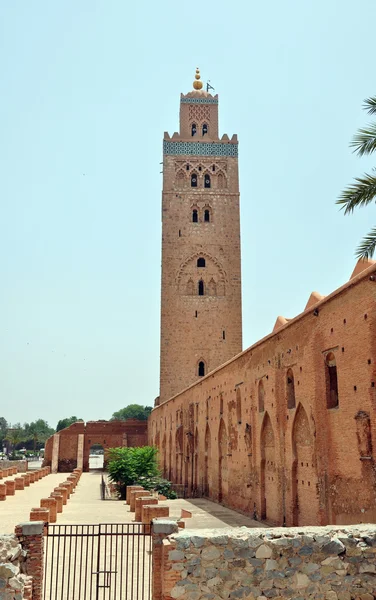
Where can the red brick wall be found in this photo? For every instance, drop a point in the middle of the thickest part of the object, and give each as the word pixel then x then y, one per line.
pixel 302 465
pixel 109 434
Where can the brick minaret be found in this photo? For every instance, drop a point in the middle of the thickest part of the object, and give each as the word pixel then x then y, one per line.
pixel 201 323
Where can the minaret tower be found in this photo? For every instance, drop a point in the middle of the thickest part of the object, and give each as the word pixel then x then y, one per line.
pixel 201 319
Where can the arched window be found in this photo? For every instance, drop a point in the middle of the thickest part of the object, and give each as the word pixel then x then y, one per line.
pixel 194 216
pixel 200 288
pixel 187 167
pixel 204 129
pixel 194 129
pixel 193 180
pixel 207 180
pixel 331 381
pixel 261 397
pixel 290 389
pixel 201 368
pixel 207 215
pixel 201 262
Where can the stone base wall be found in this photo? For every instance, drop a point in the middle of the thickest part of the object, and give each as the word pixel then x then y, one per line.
pixel 255 564
pixel 13 582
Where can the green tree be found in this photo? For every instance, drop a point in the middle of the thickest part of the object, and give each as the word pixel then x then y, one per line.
pixel 3 431
pixel 14 435
pixel 63 423
pixel 38 431
pixel 132 411
pixel 363 191
pixel 127 465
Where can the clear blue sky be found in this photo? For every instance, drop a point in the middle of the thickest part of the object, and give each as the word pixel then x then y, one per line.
pixel 86 91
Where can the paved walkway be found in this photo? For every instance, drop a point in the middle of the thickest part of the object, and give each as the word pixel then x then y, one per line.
pixel 86 507
pixel 16 509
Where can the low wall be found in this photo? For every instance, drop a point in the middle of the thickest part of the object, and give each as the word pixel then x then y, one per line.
pixel 321 562
pixel 20 464
pixel 13 583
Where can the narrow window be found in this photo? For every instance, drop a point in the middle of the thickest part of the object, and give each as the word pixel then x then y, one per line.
pixel 213 168
pixel 187 167
pixel 207 181
pixel 238 406
pixel 331 381
pixel 223 335
pixel 204 129
pixel 194 129
pixel 193 180
pixel 179 232
pixel 196 314
pixel 290 389
pixel 261 397
pixel 201 262
pixel 221 404
pixel 200 288
pixel 207 216
pixel 201 368
pixel 194 216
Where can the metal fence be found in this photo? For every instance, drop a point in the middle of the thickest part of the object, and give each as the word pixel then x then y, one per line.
pixel 110 561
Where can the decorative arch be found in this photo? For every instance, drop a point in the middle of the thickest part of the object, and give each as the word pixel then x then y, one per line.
pixel 190 287
pixel 180 178
pixel 268 471
pixel 221 180
pixel 201 368
pixel 331 381
pixel 194 179
pixel 195 477
pixel 164 456
pixel 305 503
pixel 222 467
pixel 179 454
pixel 212 288
pixel 192 260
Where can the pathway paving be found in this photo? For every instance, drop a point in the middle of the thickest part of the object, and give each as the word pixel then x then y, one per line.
pixel 16 509
pixel 85 506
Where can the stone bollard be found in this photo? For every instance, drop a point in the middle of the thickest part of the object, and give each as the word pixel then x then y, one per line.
pixel 140 503
pixel 129 489
pixel 37 475
pixel 67 486
pixel 5 472
pixel 1 474
pixel 48 470
pixel 51 504
pixel 3 491
pixel 15 471
pixel 32 477
pixel 10 487
pixel 150 512
pixel 63 491
pixel 59 501
pixel 26 477
pixel 73 480
pixel 40 514
pixel 136 494
pixel 20 483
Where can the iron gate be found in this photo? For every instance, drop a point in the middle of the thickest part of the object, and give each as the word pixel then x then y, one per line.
pixel 109 561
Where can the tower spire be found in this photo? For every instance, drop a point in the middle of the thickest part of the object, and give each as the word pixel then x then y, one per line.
pixel 197 84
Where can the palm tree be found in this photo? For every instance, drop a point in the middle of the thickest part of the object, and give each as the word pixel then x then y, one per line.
pixel 363 191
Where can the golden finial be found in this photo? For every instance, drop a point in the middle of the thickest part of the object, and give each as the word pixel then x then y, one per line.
pixel 197 84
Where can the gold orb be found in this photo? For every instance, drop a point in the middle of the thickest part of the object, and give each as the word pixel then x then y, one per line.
pixel 197 84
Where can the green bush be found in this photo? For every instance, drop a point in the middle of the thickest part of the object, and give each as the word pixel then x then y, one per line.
pixel 160 485
pixel 127 465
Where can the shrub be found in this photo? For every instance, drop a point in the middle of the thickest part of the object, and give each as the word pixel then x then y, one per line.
pixel 127 465
pixel 160 485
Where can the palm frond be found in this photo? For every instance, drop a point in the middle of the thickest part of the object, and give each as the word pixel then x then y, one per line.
pixel 361 193
pixel 370 105
pixel 364 142
pixel 367 246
